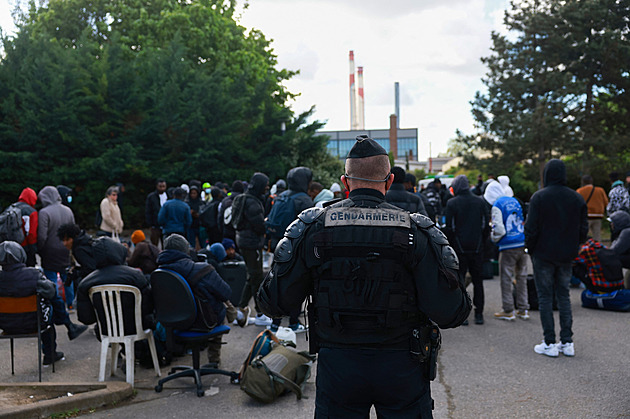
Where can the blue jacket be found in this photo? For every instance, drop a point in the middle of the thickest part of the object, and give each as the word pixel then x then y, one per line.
pixel 215 289
pixel 174 217
pixel 508 225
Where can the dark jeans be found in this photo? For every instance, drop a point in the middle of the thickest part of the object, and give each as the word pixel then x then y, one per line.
pixel 473 263
pixel 192 236
pixel 156 236
pixel 549 275
pixel 60 314
pixel 253 261
pixel 351 381
pixel 294 318
pixel 49 347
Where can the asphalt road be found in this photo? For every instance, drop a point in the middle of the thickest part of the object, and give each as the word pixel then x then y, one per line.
pixel 488 371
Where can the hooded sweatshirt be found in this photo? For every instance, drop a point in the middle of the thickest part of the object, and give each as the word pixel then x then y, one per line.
pixel 299 178
pixel 17 280
pixel 250 232
pixel 109 257
pixel 215 290
pixel 621 229
pixel 467 218
pixel 507 218
pixel 557 219
pixel 55 256
pixel 29 216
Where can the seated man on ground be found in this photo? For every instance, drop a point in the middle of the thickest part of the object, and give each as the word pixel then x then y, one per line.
pixel 144 255
pixel 110 256
pixel 230 251
pixel 598 268
pixel 18 280
pixel 176 257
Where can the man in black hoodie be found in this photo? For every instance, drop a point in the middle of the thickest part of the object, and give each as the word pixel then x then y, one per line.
pixel 299 179
pixel 397 195
pixel 249 222
pixel 556 225
pixel 110 256
pixel 467 228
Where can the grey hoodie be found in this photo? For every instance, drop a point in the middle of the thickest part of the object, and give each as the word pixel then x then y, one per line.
pixel 55 256
pixel 621 225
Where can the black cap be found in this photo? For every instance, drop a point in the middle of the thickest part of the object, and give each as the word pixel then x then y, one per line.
pixel 365 147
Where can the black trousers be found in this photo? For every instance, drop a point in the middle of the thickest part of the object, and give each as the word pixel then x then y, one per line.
pixel 351 381
pixel 473 263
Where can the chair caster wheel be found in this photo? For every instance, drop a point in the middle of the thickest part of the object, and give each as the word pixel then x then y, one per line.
pixel 200 393
pixel 158 389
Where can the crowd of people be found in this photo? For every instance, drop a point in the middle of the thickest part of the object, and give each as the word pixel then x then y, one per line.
pixel 196 224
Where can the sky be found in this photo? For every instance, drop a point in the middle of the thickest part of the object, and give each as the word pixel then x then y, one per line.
pixel 432 48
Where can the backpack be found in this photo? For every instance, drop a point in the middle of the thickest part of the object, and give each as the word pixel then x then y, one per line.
pixel 283 369
pixel 206 319
pixel 208 214
pixel 238 209
pixel 261 346
pixel 611 265
pixel 98 219
pixel 11 224
pixel 282 214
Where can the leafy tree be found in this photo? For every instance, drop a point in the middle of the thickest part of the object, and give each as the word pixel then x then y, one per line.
pixel 98 92
pixel 557 85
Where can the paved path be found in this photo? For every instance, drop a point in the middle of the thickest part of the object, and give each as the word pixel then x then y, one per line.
pixel 488 371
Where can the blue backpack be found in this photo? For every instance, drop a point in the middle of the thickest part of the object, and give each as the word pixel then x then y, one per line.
pixel 282 214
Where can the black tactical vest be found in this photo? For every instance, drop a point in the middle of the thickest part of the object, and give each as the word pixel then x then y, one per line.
pixel 365 294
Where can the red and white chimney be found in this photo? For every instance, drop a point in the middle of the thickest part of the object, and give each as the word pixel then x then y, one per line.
pixel 353 95
pixel 361 112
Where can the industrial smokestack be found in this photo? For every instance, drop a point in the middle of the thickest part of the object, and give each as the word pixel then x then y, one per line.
pixel 397 101
pixel 361 118
pixel 353 95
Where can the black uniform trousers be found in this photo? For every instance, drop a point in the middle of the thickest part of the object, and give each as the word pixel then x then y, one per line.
pixel 351 381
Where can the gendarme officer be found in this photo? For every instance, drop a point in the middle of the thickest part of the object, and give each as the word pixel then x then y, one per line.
pixel 378 279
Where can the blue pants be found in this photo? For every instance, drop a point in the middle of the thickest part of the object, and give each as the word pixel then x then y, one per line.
pixel 60 314
pixel 351 381
pixel 547 275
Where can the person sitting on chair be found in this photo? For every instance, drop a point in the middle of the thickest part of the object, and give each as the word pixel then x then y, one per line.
pixel 18 280
pixel 110 257
pixel 176 257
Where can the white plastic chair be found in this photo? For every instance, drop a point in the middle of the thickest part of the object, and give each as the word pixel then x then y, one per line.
pixel 113 332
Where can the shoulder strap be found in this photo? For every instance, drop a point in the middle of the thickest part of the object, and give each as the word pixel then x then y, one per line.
pixel 591 194
pixel 280 378
pixel 194 280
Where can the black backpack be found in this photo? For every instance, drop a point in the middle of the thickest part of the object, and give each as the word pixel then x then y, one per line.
pixel 611 264
pixel 11 224
pixel 208 215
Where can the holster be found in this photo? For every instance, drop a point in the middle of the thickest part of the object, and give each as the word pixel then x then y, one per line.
pixel 424 345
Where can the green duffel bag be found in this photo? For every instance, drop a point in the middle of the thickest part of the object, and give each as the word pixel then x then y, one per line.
pixel 281 370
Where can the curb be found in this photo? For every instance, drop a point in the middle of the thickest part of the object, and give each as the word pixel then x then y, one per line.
pixel 87 395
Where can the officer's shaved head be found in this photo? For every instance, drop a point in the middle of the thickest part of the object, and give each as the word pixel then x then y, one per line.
pixel 373 167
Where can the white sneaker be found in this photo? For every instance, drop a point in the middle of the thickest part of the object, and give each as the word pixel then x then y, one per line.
pixel 566 348
pixel 544 349
pixel 298 328
pixel 262 320
pixel 522 314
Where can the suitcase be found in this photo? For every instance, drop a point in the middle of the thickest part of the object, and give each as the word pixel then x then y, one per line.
pixel 616 300
pixel 235 274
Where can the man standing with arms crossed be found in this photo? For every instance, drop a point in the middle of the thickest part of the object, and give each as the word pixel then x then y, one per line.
pixel 376 276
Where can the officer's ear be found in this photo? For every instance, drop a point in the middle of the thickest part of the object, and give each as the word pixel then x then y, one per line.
pixel 389 181
pixel 344 180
